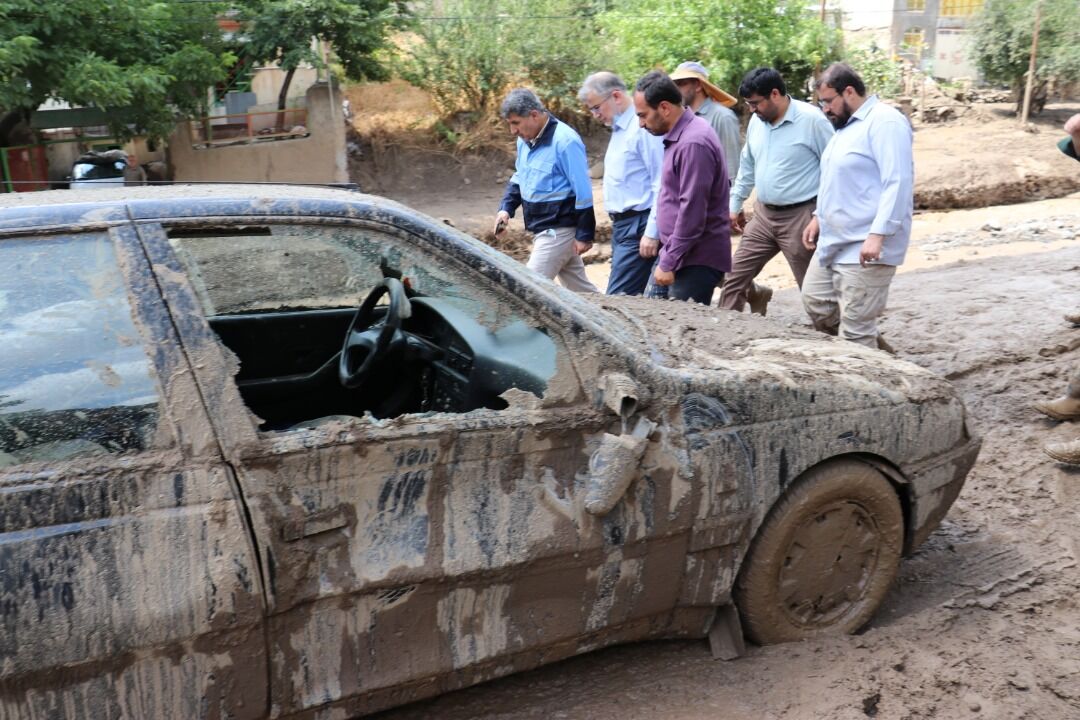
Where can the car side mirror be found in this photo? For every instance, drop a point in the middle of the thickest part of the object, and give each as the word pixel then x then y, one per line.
pixel 622 395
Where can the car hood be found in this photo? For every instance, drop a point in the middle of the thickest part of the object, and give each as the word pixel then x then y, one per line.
pixel 714 346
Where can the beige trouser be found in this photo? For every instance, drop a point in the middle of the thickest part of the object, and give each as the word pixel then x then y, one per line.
pixel 767 233
pixel 846 300
pixel 553 255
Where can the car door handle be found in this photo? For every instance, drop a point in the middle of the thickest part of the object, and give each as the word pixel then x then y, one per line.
pixel 316 523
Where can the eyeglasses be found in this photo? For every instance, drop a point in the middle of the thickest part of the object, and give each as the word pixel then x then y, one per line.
pixel 752 104
pixel 595 109
pixel 825 102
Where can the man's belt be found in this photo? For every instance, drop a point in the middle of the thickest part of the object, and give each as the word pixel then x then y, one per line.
pixel 626 215
pixel 792 205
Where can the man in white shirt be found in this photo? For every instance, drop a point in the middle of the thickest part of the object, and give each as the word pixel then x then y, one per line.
pixel 631 182
pixel 863 220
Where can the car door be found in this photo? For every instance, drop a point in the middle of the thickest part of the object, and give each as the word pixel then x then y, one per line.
pixel 399 550
pixel 128 583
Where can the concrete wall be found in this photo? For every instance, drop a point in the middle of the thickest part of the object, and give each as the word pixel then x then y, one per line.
pixel 266 84
pixel 319 157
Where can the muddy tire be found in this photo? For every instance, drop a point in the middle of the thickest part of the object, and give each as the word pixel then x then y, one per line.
pixel 825 556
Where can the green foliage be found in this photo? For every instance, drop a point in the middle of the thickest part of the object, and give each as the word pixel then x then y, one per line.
pixel 282 31
pixel 729 37
pixel 880 72
pixel 150 59
pixel 466 53
pixel 1001 40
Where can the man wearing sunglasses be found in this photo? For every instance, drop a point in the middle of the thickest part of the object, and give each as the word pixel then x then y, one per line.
pixel 631 182
pixel 862 225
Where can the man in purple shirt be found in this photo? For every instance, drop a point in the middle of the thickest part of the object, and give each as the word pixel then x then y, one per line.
pixel 692 210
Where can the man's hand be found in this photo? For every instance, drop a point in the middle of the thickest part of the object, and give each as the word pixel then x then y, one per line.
pixel 502 219
pixel 582 246
pixel 1072 126
pixel 663 277
pixel 648 247
pixel 738 221
pixel 810 234
pixel 871 249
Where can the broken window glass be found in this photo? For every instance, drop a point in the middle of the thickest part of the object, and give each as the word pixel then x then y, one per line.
pixel 75 378
pixel 282 299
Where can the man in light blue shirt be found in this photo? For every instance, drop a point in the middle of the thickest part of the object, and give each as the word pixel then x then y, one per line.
pixel 865 203
pixel 631 182
pixel 782 159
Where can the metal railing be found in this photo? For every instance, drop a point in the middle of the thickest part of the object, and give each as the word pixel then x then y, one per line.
pixel 249 127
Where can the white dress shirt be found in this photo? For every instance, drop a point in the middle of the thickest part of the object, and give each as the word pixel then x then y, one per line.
pixel 867 185
pixel 632 166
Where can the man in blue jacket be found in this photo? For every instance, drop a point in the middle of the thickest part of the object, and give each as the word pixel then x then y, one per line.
pixel 551 184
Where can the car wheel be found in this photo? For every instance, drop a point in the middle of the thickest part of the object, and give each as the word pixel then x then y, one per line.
pixel 825 556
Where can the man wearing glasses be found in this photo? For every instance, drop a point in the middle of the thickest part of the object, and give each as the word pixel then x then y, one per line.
pixel 782 160
pixel 631 182
pixel 864 207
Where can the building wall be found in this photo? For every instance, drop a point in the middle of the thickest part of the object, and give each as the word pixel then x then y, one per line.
pixel 319 157
pixel 864 21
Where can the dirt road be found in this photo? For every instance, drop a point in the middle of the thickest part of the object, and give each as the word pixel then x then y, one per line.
pixel 984 621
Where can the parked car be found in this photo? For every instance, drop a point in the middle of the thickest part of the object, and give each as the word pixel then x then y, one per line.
pixel 302 452
pixel 99 170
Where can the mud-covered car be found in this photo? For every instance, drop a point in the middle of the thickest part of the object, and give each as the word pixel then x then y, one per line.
pixel 294 452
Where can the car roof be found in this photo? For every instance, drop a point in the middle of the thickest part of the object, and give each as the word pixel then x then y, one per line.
pixel 180 193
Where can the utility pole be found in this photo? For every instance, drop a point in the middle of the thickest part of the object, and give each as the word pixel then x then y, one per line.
pixel 1031 66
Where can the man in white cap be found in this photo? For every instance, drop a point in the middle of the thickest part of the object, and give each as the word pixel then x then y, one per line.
pixel 713 104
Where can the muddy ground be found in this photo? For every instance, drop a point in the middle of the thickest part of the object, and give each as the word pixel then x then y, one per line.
pixel 984 621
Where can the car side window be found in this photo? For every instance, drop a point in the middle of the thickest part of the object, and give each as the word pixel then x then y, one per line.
pixel 75 379
pixel 283 298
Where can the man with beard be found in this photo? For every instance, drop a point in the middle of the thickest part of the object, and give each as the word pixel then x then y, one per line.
pixel 782 160
pixel 692 209
pixel 862 225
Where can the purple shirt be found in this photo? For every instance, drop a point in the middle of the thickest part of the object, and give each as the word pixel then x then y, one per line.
pixel 692 211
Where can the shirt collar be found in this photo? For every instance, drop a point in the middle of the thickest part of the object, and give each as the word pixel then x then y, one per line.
pixel 789 114
pixel 546 132
pixel 701 108
pixel 863 110
pixel 676 131
pixel 623 119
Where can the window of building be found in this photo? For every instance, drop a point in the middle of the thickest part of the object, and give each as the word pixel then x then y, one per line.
pixel 916 5
pixel 914 39
pixel 960 8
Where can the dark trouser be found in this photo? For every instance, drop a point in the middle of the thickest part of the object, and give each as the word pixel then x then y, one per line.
pixel 629 271
pixel 770 231
pixel 695 282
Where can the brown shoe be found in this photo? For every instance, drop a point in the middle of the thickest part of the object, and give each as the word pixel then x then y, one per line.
pixel 1062 408
pixel 1066 452
pixel 883 345
pixel 1073 318
pixel 758 297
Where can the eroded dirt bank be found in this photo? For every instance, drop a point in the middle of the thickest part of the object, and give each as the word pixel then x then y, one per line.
pixel 984 621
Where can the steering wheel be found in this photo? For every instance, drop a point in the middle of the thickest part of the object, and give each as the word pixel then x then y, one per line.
pixel 377 339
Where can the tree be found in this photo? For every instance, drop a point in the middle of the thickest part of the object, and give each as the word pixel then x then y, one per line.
pixel 140 62
pixel 285 31
pixel 466 53
pixel 1001 37
pixel 729 37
